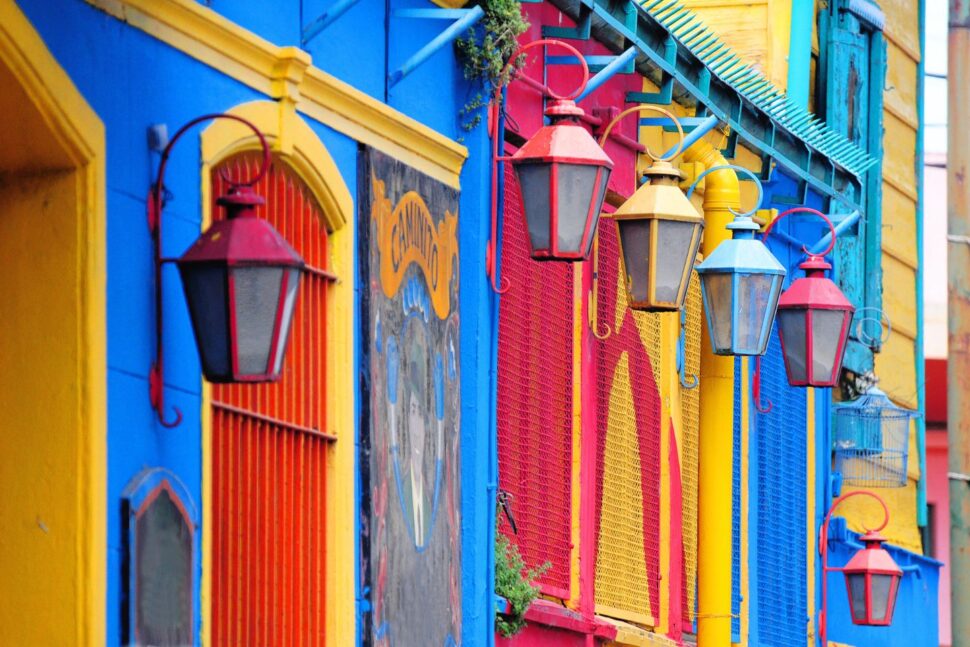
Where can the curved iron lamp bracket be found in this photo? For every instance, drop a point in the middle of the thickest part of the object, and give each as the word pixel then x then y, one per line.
pixel 156 203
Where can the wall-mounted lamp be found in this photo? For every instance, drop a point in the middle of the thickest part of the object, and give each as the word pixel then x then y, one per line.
pixel 240 280
pixel 740 284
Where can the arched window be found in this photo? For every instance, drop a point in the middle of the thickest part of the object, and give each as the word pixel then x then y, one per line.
pixel 270 446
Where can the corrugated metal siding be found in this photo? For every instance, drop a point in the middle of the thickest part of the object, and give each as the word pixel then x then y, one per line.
pixel 535 372
pixel 269 456
pixel 781 552
pixel 690 410
pixel 628 448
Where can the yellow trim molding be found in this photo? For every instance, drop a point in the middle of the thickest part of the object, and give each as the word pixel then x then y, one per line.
pixel 286 73
pixel 80 135
pixel 293 141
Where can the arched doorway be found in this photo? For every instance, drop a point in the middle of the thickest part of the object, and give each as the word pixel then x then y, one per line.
pixel 52 349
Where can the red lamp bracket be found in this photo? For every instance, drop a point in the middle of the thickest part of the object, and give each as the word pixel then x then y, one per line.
pixel 500 284
pixel 155 205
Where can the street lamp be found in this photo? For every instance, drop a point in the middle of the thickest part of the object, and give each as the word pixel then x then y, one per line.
pixel 659 231
pixel 240 279
pixel 562 173
pixel 813 318
pixel 740 284
pixel 872 577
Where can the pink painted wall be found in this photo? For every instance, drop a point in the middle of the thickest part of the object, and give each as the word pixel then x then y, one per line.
pixel 937 485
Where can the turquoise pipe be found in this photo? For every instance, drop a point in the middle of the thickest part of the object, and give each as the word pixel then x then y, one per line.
pixel 800 51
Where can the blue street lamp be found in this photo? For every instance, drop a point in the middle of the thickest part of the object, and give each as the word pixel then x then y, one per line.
pixel 740 284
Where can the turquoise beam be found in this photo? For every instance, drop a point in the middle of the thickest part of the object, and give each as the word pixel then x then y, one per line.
pixel 800 50
pixel 336 10
pixel 456 29
pixel 622 63
pixel 690 138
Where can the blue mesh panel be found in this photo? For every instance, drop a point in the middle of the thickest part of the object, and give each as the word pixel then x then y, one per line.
pixel 781 492
pixel 736 514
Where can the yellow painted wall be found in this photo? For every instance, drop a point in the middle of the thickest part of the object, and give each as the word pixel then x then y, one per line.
pixel 52 350
pixel 757 30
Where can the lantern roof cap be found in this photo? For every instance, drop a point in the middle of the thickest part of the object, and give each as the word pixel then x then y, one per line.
pixel 815 263
pixel 873 558
pixel 564 108
pixel 240 196
pixel 815 291
pixel 564 142
pixel 873 403
pixel 660 200
pixel 743 223
pixel 741 255
pixel 242 241
pixel 663 168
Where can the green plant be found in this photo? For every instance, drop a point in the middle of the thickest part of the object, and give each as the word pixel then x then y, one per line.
pixel 485 53
pixel 514 583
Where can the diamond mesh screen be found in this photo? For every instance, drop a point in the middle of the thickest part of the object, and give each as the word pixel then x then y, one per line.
pixel 781 537
pixel 628 449
pixel 535 398
pixel 690 412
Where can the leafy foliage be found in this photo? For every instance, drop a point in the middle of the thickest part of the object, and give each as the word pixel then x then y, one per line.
pixel 486 51
pixel 515 584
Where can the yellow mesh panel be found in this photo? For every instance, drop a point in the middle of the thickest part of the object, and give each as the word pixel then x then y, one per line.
pixel 621 570
pixel 690 408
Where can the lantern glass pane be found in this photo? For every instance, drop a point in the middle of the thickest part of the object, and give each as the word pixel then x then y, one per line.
pixel 674 252
pixel 577 186
pixel 826 334
pixel 635 241
pixel 791 327
pixel 881 588
pixel 534 183
pixel 205 290
pixel 755 297
pixel 857 595
pixel 289 303
pixel 257 299
pixel 718 290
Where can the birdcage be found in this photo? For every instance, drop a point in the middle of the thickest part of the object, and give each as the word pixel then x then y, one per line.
pixel 871 441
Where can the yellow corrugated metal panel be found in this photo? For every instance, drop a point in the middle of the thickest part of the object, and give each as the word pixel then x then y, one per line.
pixel 896 368
pixel 741 25
pixel 899 294
pixel 690 405
pixel 899 224
pixel 901 84
pixel 902 18
pixel 899 157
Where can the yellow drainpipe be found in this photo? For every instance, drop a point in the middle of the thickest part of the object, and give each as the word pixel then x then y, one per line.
pixel 721 191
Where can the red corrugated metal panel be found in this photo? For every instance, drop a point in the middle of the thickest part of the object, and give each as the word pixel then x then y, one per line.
pixel 636 338
pixel 269 453
pixel 535 362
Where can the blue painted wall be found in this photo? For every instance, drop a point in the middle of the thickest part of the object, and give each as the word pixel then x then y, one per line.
pixel 132 81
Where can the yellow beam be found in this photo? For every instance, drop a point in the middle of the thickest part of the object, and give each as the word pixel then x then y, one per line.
pixel 722 190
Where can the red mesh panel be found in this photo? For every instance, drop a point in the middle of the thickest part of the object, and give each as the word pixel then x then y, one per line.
pixel 269 454
pixel 637 335
pixel 535 398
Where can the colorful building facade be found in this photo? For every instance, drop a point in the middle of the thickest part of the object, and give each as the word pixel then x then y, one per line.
pixel 670 492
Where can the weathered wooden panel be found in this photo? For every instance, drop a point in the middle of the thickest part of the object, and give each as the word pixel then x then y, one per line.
pixel 899 160
pixel 901 84
pixel 899 224
pixel 899 294
pixel 902 20
pixel 410 427
pixel 896 368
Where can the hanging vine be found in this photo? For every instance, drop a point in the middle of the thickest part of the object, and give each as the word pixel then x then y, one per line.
pixel 485 52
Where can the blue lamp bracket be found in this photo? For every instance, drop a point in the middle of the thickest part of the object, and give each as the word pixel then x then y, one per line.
pixel 324 20
pixel 681 355
pixel 463 19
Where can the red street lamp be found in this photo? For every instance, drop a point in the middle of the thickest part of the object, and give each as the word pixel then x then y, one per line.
pixel 240 280
pixel 813 318
pixel 562 173
pixel 872 577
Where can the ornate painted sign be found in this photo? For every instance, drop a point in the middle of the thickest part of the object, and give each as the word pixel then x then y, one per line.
pixel 411 543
